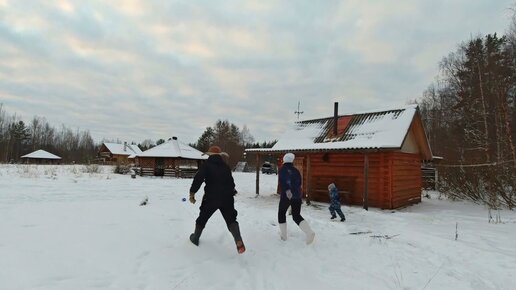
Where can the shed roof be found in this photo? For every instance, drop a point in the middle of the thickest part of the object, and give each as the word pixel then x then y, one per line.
pixel 41 154
pixel 175 149
pixel 118 149
pixel 379 129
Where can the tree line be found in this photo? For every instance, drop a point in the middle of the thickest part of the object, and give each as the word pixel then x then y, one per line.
pixel 231 140
pixel 18 138
pixel 469 114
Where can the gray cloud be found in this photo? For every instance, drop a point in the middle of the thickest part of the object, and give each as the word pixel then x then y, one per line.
pixel 135 69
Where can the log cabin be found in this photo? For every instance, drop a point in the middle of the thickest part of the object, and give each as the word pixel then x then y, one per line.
pixel 116 153
pixel 172 158
pixel 373 157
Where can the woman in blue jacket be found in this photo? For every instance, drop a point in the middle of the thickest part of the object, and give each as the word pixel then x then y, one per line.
pixel 290 195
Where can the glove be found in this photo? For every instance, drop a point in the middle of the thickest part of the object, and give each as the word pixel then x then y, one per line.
pixel 192 198
pixel 289 194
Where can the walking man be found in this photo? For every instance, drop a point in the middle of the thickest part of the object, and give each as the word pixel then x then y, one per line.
pixel 219 191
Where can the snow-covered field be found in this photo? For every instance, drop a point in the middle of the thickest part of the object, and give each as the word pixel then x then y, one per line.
pixel 63 228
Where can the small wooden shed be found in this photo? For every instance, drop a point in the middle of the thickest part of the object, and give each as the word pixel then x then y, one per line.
pixel 374 157
pixel 172 158
pixel 41 157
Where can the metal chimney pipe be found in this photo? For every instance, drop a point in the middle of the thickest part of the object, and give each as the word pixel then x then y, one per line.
pixel 335 117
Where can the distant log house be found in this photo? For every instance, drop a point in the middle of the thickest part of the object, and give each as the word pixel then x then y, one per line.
pixel 115 153
pixel 41 157
pixel 374 158
pixel 172 158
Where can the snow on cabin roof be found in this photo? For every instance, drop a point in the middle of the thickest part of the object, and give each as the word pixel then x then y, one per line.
pixel 118 149
pixel 41 154
pixel 174 148
pixel 366 130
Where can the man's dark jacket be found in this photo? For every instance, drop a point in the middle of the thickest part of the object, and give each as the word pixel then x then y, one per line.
pixel 216 174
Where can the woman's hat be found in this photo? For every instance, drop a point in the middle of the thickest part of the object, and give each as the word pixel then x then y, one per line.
pixel 289 158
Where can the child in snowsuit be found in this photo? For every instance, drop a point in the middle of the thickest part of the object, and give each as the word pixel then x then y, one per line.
pixel 335 202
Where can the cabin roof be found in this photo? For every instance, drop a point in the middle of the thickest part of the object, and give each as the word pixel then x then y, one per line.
pixel 41 154
pixel 118 149
pixel 175 149
pixel 373 130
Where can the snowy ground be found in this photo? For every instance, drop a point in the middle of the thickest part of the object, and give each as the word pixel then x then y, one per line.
pixel 63 228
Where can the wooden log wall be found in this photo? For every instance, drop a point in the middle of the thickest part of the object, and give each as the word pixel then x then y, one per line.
pixel 150 162
pixel 406 179
pixel 170 166
pixel 120 159
pixel 170 163
pixel 394 179
pixel 346 170
pixel 146 162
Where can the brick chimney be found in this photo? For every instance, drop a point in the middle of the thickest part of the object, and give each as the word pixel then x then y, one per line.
pixel 335 118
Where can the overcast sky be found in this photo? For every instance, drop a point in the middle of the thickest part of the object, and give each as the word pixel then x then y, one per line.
pixel 138 69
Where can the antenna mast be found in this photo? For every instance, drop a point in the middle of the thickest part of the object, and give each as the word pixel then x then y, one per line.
pixel 298 112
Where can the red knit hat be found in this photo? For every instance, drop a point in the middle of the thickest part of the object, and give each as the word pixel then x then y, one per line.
pixel 214 150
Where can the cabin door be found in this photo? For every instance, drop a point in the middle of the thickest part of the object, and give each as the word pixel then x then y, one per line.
pixel 159 170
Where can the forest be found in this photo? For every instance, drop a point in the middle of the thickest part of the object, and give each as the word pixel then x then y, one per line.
pixel 18 138
pixel 469 116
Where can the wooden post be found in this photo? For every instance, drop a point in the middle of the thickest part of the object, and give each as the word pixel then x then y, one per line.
pixel 257 174
pixel 436 178
pixel 308 177
pixel 391 184
pixel 366 181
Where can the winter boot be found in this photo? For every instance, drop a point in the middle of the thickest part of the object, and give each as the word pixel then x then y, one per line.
pixel 194 238
pixel 333 216
pixel 310 235
pixel 283 231
pixel 235 231
pixel 341 214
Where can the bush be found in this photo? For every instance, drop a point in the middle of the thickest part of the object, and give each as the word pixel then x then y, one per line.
pixel 92 168
pixel 487 185
pixel 122 169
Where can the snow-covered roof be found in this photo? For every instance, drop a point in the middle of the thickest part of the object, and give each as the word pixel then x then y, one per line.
pixel 366 130
pixel 174 148
pixel 118 149
pixel 41 154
